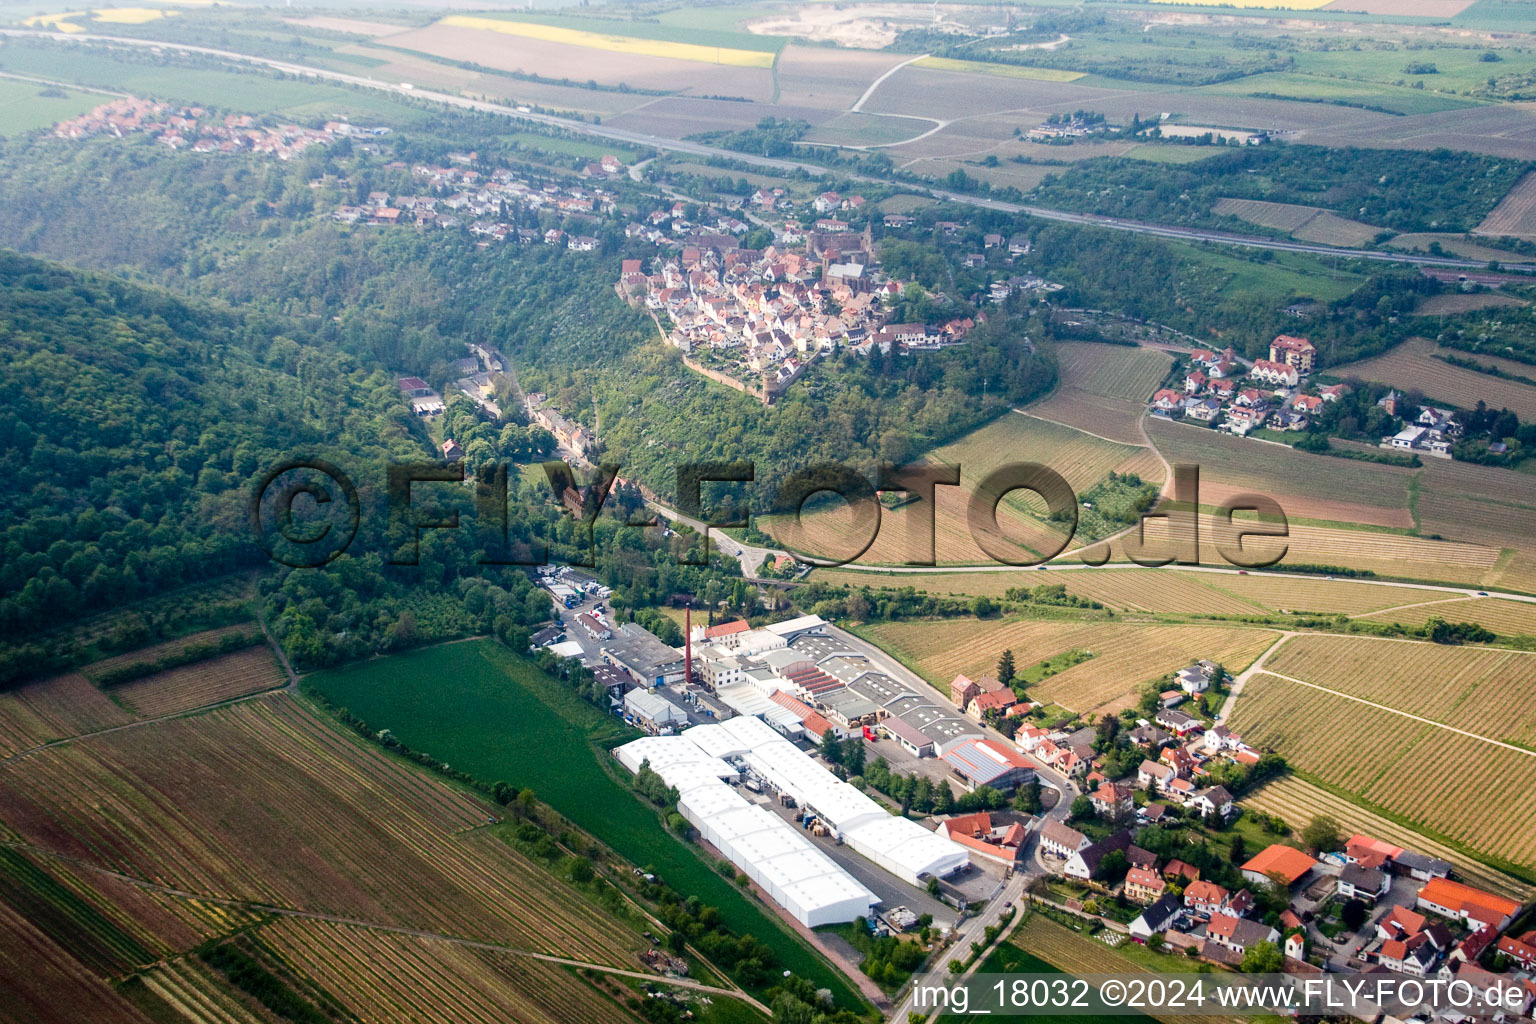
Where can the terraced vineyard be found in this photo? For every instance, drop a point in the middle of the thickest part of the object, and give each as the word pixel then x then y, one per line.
pixel 1297 801
pixel 205 682
pixel 194 803
pixel 1485 691
pixel 1412 365
pixel 1126 655
pixel 1464 789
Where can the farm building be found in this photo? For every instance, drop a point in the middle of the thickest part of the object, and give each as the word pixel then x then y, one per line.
pixel 986 840
pixel 1287 863
pixel 1455 900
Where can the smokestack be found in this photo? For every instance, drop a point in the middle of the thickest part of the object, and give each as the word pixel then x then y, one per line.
pixel 688 643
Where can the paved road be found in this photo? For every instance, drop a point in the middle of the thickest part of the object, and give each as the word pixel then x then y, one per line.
pixel 661 143
pixel 750 556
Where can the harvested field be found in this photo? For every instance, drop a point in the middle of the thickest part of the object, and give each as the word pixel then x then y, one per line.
pixel 195 802
pixel 1412 365
pixel 148 655
pixel 1307 486
pixel 1480 795
pixel 379 976
pixel 815 76
pixel 349 26
pixel 1515 215
pixel 52 710
pixel 1308 223
pixel 611 43
pixel 1126 654
pixel 1506 618
pixel 1486 691
pixel 555 59
pixel 1298 801
pixel 1458 302
pixel 205 682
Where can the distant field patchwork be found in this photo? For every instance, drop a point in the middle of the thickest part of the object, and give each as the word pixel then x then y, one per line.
pixel 1308 223
pixel 1516 213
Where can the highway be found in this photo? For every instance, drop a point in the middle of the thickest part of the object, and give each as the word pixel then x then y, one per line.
pixel 664 144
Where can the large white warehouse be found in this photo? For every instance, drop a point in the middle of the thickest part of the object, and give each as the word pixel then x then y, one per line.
pixel 768 849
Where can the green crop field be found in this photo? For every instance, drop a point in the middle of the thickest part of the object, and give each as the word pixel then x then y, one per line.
pixel 252 93
pixel 493 714
pixel 24 109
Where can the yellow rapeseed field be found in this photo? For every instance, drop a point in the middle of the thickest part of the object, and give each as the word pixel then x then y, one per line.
pixel 130 15
pixel 616 44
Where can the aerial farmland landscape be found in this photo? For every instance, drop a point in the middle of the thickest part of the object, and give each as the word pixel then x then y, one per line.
pixel 821 512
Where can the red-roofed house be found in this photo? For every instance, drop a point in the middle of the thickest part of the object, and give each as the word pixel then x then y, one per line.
pixel 1001 700
pixel 1287 863
pixel 1143 885
pixel 983 840
pixel 1453 899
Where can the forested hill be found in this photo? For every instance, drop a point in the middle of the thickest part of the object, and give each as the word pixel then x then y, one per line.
pixel 132 426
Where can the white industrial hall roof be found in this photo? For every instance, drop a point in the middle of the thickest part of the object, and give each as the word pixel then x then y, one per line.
pixel 772 852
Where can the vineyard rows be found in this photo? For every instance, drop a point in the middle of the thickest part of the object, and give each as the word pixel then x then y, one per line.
pixel 207 638
pixel 1297 802
pixel 194 803
pixel 1459 787
pixel 1126 654
pixel 382 976
pixel 54 709
pixel 202 683
pixel 1506 618
pixel 1486 691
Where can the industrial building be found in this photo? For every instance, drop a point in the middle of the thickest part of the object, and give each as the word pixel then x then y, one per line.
pixel 648 661
pixel 840 684
pixel 702 761
pixel 989 763
pixel 653 712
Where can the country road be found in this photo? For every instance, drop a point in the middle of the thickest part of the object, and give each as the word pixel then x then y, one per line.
pixel 665 144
